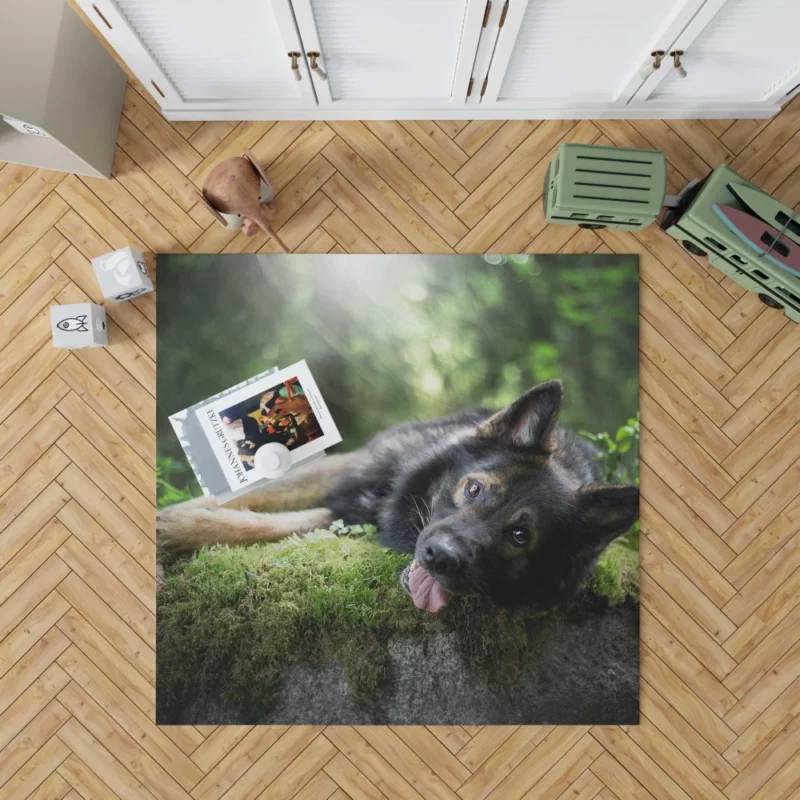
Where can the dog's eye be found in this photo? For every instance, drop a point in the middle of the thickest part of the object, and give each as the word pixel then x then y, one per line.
pixel 519 536
pixel 473 489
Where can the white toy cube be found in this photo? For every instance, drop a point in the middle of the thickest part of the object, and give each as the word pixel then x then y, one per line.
pixel 78 325
pixel 122 274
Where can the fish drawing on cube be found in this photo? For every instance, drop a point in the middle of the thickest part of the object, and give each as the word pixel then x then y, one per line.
pixel 78 325
pixel 122 275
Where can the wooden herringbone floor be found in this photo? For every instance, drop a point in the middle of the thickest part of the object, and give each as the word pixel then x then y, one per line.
pixel 720 377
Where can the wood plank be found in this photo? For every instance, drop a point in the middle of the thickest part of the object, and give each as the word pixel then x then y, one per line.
pixel 685 665
pixel 685 593
pixel 761 403
pixel 685 339
pixel 31 738
pixel 38 295
pixel 770 686
pixel 363 217
pixel 144 153
pixel 288 147
pixel 688 632
pixel 377 770
pixel 673 292
pixel 355 783
pixel 436 214
pixel 160 132
pixel 31 266
pixel 109 625
pixel 427 169
pixel 686 414
pixel 122 710
pixel 759 607
pixel 27 537
pixel 89 761
pixel 683 737
pixel 209 135
pixel 302 768
pixel 86 638
pixel 112 519
pixel 138 580
pixel 155 199
pixel 228 771
pixel 475 134
pixel 410 218
pixel 502 763
pixel 26 198
pixel 679 552
pixel 32 483
pixel 437 143
pixel 12 176
pixel 119 744
pixel 538 145
pixel 494 152
pixel 17 243
pixel 686 703
pixel 36 770
pixel 108 587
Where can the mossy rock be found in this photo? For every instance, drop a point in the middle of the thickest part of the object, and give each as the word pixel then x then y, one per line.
pixel 235 622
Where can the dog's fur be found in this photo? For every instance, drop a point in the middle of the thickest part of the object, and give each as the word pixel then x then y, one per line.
pixel 504 503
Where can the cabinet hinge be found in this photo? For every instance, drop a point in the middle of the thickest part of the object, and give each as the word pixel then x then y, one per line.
pixel 486 13
pixel 503 15
pixel 485 83
pixel 469 88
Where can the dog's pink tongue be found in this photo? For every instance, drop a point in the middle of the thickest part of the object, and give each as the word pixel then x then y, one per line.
pixel 426 592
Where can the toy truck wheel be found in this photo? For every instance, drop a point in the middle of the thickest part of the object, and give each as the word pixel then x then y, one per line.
pixel 769 301
pixel 592 226
pixel 693 248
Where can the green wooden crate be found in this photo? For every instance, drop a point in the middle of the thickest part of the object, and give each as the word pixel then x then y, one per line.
pixel 703 233
pixel 605 187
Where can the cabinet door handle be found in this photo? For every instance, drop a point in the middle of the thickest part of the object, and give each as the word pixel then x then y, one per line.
pixel 676 60
pixel 294 55
pixel 313 56
pixel 657 55
pixel 102 17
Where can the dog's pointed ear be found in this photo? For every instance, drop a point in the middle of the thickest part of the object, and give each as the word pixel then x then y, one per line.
pixel 607 512
pixel 529 420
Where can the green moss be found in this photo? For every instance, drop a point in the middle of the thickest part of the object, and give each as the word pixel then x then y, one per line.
pixel 230 620
pixel 616 577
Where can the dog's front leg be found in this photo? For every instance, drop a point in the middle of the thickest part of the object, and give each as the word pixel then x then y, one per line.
pixel 189 528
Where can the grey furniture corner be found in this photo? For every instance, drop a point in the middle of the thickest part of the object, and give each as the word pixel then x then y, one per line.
pixel 56 76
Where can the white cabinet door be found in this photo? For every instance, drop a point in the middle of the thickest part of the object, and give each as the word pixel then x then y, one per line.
pixel 208 54
pixel 740 51
pixel 571 53
pixel 392 54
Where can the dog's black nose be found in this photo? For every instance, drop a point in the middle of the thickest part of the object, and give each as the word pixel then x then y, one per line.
pixel 440 556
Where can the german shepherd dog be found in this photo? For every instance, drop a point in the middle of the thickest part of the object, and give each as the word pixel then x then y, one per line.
pixel 502 503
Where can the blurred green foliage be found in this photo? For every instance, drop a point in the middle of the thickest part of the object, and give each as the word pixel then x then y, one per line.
pixel 619 452
pixel 393 338
pixel 168 472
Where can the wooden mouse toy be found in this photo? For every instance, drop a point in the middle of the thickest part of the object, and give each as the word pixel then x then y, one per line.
pixel 233 188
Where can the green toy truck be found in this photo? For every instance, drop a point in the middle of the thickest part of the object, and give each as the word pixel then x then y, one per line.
pixel 696 225
pixel 605 187
pixel 613 187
